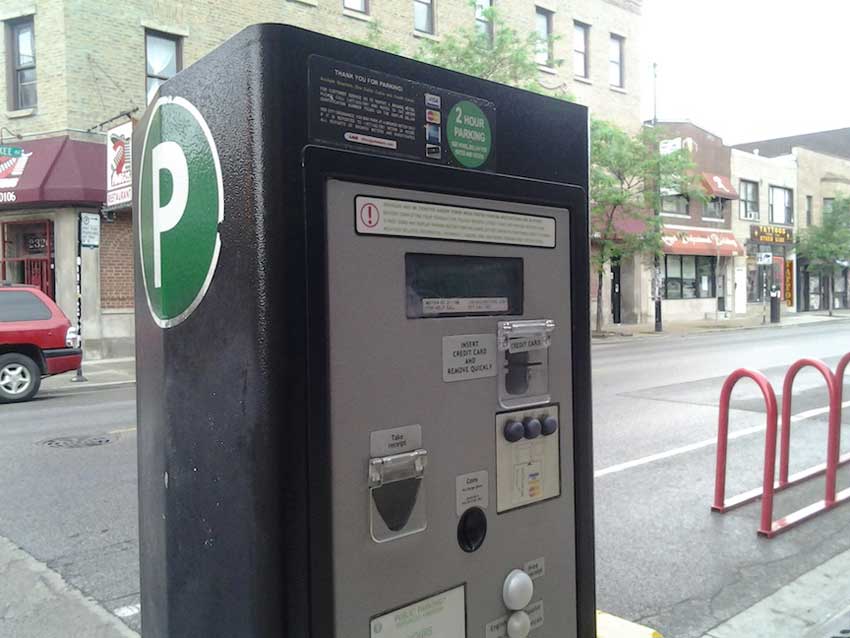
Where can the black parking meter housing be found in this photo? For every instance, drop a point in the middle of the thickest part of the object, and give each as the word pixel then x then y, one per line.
pixel 235 473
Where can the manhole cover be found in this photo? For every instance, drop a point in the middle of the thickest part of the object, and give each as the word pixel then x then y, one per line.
pixel 77 441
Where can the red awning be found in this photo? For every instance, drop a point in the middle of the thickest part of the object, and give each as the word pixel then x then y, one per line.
pixel 701 242
pixel 719 186
pixel 56 170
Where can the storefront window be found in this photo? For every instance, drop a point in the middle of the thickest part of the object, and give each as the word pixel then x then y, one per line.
pixel 689 276
pixel 764 276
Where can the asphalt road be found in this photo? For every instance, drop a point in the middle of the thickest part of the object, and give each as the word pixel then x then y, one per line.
pixel 662 557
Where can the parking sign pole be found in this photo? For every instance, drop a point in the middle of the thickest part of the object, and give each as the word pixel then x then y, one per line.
pixel 79 376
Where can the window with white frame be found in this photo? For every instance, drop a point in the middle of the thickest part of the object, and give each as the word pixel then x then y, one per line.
pixel 483 21
pixel 749 202
pixel 360 6
pixel 162 60
pixel 616 76
pixel 674 205
pixel 543 27
pixel 423 16
pixel 781 205
pixel 714 208
pixel 581 50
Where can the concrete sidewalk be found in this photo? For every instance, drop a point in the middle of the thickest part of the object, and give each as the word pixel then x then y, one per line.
pixel 36 602
pixel 99 373
pixel 815 605
pixel 748 322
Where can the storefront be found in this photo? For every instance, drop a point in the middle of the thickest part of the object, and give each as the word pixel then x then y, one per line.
pixel 44 185
pixel 814 288
pixel 770 257
pixel 697 269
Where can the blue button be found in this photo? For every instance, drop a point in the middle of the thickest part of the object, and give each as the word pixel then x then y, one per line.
pixel 532 427
pixel 514 431
pixel 550 425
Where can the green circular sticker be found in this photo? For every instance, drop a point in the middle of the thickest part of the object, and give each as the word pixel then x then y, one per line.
pixel 468 133
pixel 181 203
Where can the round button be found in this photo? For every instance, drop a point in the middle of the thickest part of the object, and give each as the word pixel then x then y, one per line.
pixel 519 625
pixel 517 590
pixel 550 425
pixel 532 427
pixel 514 431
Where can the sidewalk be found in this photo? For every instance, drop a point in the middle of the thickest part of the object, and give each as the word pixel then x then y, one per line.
pixel 816 605
pixel 99 373
pixel 710 325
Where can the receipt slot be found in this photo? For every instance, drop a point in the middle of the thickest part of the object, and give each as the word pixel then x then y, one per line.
pixel 362 350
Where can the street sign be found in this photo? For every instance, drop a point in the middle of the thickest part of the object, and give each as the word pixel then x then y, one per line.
pixel 11 151
pixel 764 259
pixel 181 203
pixel 89 230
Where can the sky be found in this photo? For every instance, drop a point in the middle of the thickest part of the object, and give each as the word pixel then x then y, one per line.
pixel 748 69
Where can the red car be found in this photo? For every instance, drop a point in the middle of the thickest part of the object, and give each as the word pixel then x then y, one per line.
pixel 36 339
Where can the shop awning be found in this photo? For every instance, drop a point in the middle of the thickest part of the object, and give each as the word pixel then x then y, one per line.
pixel 719 186
pixel 701 242
pixel 52 171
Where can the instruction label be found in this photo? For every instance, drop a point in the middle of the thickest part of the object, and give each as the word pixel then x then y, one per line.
pixel 395 441
pixel 469 357
pixel 377 112
pixel 472 491
pixel 403 218
pixel 499 628
pixel 440 616
pixel 527 344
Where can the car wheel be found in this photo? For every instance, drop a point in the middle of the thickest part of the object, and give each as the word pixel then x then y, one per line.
pixel 20 378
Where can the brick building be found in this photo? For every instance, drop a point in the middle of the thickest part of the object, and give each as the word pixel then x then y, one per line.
pixel 71 69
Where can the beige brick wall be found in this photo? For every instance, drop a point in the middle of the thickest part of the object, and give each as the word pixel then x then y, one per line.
pixel 766 172
pixel 820 176
pixel 91 58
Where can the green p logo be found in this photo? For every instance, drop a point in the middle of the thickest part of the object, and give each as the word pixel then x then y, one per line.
pixel 181 203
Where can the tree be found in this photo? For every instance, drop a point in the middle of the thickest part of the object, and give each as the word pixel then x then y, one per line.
pixel 627 171
pixel 628 174
pixel 826 245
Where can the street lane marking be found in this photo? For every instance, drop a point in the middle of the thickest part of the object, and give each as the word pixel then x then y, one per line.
pixel 620 467
pixel 128 610
pixel 120 430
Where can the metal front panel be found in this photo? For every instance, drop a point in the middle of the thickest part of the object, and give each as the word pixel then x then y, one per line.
pixel 387 371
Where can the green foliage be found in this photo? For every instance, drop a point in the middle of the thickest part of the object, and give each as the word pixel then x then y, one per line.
pixel 826 244
pixel 627 177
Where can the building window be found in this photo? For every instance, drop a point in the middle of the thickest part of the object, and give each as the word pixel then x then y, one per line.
pixel 674 205
pixel 689 277
pixel 483 23
pixel 808 210
pixel 749 200
pixel 21 51
pixel 423 16
pixel 581 50
pixel 162 60
pixel 827 204
pixel 361 6
pixel 781 204
pixel 714 208
pixel 616 77
pixel 543 26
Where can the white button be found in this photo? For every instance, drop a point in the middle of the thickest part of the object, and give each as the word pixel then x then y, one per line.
pixel 519 625
pixel 517 590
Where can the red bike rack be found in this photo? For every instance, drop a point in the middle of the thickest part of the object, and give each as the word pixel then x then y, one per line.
pixel 720 502
pixel 839 375
pixel 831 499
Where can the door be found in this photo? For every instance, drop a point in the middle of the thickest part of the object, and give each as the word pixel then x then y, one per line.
pixel 26 256
pixel 721 293
pixel 615 293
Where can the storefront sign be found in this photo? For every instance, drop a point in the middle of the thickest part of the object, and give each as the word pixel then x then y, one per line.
pixel 13 160
pixel 771 235
pixel 118 165
pixel 789 283
pixel 89 230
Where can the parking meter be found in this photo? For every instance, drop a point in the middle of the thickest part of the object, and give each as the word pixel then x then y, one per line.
pixel 362 350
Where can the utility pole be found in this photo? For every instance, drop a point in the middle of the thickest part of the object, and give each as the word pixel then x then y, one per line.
pixel 657 260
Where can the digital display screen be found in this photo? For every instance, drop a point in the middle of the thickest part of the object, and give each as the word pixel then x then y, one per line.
pixel 462 285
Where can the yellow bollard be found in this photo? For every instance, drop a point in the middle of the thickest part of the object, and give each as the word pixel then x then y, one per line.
pixel 608 626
